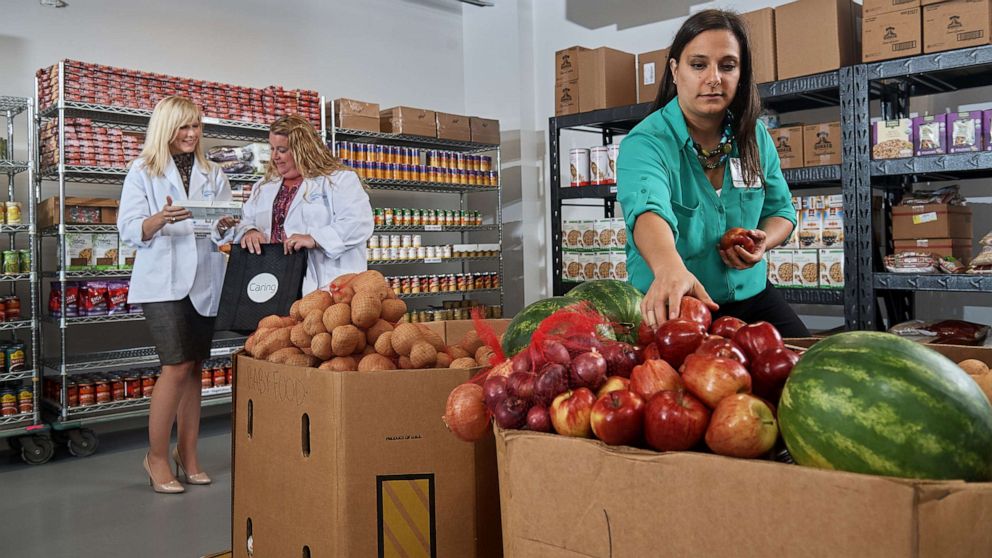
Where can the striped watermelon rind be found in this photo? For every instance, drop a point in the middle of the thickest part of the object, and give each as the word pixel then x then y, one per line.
pixel 618 301
pixel 874 403
pixel 522 326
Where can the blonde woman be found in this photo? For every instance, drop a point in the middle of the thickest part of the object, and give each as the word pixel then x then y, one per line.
pixel 177 277
pixel 308 200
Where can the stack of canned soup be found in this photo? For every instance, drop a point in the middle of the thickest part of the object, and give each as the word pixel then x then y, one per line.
pixel 15 397
pixel 454 310
pixel 594 249
pixel 394 217
pixel 392 162
pixel 450 283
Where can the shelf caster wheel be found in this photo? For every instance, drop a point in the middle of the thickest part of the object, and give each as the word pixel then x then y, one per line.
pixel 82 442
pixel 36 450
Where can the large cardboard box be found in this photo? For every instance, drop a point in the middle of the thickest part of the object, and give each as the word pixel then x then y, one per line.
pixel 78 211
pixel 813 36
pixel 892 35
pixel 356 115
pixel 822 144
pixel 484 130
pixel 789 144
pixel 761 24
pixel 453 127
pixel 358 464
pixel 875 7
pixel 651 68
pixel 960 248
pixel 956 24
pixel 409 121
pixel 567 64
pixel 566 97
pixel 607 78
pixel 937 220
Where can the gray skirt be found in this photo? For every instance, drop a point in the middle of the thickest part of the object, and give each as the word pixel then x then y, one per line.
pixel 179 332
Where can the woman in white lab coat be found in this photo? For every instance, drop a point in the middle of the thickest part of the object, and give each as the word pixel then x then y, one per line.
pixel 177 277
pixel 308 200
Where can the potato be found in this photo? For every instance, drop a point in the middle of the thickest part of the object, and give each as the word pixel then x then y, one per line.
pixel 321 346
pixel 302 360
pixel 336 316
pixel 342 281
pixel 299 337
pixel 443 360
pixel 368 350
pixel 471 342
pixel 344 340
pixel 255 338
pixel 464 363
pixel 484 355
pixel 281 355
pixel 404 336
pixel 974 367
pixel 393 310
pixel 405 363
pixel 432 337
pixel 317 300
pixel 365 310
pixel 423 355
pixel 384 345
pixel 375 362
pixel 457 352
pixel 278 339
pixel 343 295
pixel 272 321
pixel 313 322
pixel 341 364
pixel 377 329
pixel 367 280
pixel 362 342
pixel 294 310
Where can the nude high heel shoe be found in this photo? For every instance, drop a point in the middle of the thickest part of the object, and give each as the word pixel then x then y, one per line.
pixel 171 487
pixel 195 478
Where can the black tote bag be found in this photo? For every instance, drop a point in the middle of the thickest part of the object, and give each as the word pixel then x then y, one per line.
pixel 259 285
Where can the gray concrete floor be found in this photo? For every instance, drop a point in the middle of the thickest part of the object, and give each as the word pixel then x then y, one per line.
pixel 102 506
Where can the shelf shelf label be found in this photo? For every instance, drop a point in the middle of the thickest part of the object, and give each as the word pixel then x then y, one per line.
pixel 613 189
pixel 432 260
pixel 433 228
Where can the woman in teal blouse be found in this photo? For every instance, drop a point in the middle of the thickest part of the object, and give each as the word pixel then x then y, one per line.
pixel 697 166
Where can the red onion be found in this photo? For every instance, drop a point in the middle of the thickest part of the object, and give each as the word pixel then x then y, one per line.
pixel 494 391
pixel 538 419
pixel 511 413
pixel 578 344
pixel 521 362
pixel 588 371
pixel 552 380
pixel 521 385
pixel 555 353
pixel 465 413
pixel 621 358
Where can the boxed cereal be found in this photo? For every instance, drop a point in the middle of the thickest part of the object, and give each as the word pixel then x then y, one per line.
pixel 590 266
pixel 125 255
pixel 571 268
pixel 811 228
pixel 964 132
pixel 571 235
pixel 807 268
pixel 619 232
pixel 105 251
pixel 892 139
pixel 604 266
pixel 771 259
pixel 831 268
pixel 604 233
pixel 833 227
pixel 785 268
pixel 79 251
pixel 930 134
pixel 587 230
pixel 619 261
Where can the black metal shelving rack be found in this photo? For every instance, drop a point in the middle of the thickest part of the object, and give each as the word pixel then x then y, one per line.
pixel 816 91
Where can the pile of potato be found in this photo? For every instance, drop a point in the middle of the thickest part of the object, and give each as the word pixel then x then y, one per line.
pixel 355 326
pixel 979 371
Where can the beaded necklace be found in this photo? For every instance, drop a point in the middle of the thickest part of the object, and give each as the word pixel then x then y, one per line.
pixel 722 150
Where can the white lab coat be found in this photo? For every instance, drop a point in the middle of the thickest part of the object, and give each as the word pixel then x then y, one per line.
pixel 173 263
pixel 334 210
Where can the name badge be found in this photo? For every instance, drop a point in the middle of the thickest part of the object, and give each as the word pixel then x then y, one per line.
pixel 202 227
pixel 737 174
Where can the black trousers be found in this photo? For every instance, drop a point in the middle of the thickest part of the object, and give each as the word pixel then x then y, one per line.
pixel 768 306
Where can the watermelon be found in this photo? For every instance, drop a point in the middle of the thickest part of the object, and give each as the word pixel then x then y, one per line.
pixel 618 301
pixel 522 327
pixel 874 403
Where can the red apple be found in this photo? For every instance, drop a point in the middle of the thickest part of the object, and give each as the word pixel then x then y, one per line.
pixel 620 357
pixel 678 339
pixel 694 310
pixel 613 383
pixel 538 419
pixel 674 421
pixel 757 338
pixel 588 370
pixel 571 413
pixel 618 418
pixel 726 326
pixel 653 376
pixel 742 426
pixel 650 352
pixel 737 236
pixel 770 371
pixel 720 347
pixel 712 378
pixel 645 335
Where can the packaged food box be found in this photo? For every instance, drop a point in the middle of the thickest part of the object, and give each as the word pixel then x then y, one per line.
pixel 79 251
pixel 833 227
pixel 789 144
pixel 619 232
pixel 822 144
pixel 785 268
pixel 831 268
pixel 811 229
pixel 590 266
pixel 106 253
pixel 604 266
pixel 835 200
pixel 892 139
pixel 619 261
pixel 125 255
pixel 571 234
pixel 807 267
pixel 571 267
pixel 936 220
pixel 589 236
pixel 930 134
pixel 964 132
pixel 604 233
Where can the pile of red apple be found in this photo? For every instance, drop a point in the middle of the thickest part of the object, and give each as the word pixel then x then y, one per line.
pixel 696 381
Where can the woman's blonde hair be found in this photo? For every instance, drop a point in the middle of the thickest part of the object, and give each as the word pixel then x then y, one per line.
pixel 312 157
pixel 170 114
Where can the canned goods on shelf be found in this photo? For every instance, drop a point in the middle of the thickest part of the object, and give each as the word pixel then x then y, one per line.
pixel 8 402
pixel 71 393
pixel 25 398
pixel 373 241
pixel 147 385
pixel 12 213
pixel 101 387
pixel 24 261
pixel 417 241
pixel 11 262
pixel 219 376
pixel 87 393
pixel 14 356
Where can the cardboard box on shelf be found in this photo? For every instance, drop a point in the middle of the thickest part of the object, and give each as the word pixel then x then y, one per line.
pixel 608 78
pixel 400 484
pixel 938 220
pixel 956 24
pixel 571 268
pixel 105 251
pixel 571 234
pixel 775 259
pixel 619 233
pixel 125 255
pixel 567 64
pixel 590 266
pixel 892 35
pixel 604 265
pixel 78 211
pixel 785 268
pixel 822 144
pixel 761 24
pixel 453 127
pixel 964 132
pixel 651 68
pixel 79 251
pixel 604 233
pixel 813 36
pixel 930 134
pixel 875 7
pixel 929 2
pixel 987 129
pixel 619 261
pixel 566 97
pixel 356 115
pixel 811 228
pixel 588 237
pixel 807 264
pixel 892 139
pixel 484 130
pixel 960 248
pixel 789 144
pixel 833 227
pixel 408 121
pixel 831 268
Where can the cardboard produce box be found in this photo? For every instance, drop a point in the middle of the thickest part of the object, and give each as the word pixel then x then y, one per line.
pixel 956 24
pixel 822 144
pixel 937 220
pixel 356 115
pixel 892 35
pixel 651 68
pixel 408 121
pixel 358 463
pixel 484 130
pixel 566 98
pixel 761 24
pixel 608 78
pixel 960 248
pixel 453 127
pixel 78 211
pixel 567 64
pixel 789 144
pixel 875 7
pixel 813 36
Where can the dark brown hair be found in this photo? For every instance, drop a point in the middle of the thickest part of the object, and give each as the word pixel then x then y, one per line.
pixel 746 106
